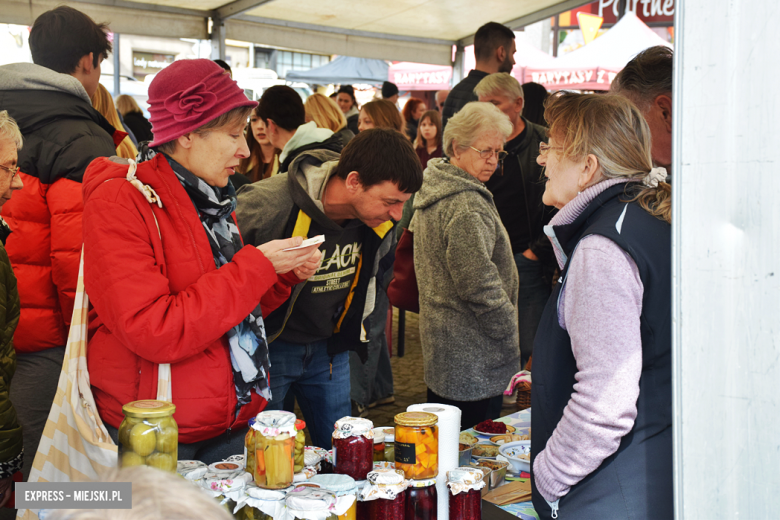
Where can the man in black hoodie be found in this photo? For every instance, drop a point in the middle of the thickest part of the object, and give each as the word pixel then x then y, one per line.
pixel 50 100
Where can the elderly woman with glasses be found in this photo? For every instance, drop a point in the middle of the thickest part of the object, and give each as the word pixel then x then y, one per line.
pixel 466 274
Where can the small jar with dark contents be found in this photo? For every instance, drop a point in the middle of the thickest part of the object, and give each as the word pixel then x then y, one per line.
pixel 464 485
pixel 353 447
pixel 421 500
pixel 385 494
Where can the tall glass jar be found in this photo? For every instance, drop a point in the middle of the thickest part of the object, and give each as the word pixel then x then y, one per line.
pixel 149 436
pixel 353 447
pixel 421 500
pixel 417 444
pixel 465 497
pixel 379 445
pixel 385 494
pixel 345 489
pixel 249 449
pixel 303 501
pixel 389 444
pixel 300 443
pixel 274 449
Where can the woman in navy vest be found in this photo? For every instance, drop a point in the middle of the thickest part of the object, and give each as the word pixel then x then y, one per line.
pixel 602 396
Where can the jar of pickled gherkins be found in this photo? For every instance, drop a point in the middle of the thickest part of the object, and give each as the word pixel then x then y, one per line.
pixel 345 489
pixel 464 484
pixel 389 444
pixel 385 494
pixel 260 504
pixel 379 445
pixel 421 500
pixel 308 502
pixel 353 447
pixel 417 444
pixel 249 448
pixel 300 443
pixel 149 436
pixel 274 449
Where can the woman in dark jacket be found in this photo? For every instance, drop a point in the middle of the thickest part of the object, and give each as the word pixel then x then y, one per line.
pixel 10 430
pixel 345 98
pixel 134 118
pixel 412 112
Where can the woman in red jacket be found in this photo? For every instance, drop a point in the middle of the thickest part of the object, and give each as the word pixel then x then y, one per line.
pixel 168 275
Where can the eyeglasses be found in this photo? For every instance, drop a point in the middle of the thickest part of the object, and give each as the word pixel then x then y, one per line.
pixel 544 148
pixel 13 171
pixel 487 154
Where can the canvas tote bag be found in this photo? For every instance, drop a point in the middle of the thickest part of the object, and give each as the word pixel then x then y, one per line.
pixel 75 446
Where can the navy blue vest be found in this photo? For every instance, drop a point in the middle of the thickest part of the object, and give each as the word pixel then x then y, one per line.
pixel 636 481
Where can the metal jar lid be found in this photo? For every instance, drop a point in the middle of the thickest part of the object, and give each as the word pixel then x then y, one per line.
pixel 416 419
pixel 149 408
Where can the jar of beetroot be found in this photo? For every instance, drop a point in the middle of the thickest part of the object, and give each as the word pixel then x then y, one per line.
pixel 385 494
pixel 353 447
pixel 465 497
pixel 421 500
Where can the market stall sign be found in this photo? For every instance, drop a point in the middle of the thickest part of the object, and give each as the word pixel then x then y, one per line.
pixel 145 63
pixel 647 10
pixel 597 78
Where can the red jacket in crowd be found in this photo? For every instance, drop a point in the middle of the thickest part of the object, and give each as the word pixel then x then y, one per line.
pixel 160 299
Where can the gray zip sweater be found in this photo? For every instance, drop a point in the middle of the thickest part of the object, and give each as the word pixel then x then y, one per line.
pixel 468 286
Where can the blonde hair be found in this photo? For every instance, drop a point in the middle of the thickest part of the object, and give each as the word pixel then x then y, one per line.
pixel 126 104
pixel 157 495
pixel 613 129
pixel 499 84
pixel 104 104
pixel 9 129
pixel 384 114
pixel 473 121
pixel 325 112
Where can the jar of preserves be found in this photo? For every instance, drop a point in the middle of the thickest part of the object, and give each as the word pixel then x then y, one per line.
pixel 309 502
pixel 465 501
pixel 227 485
pixel 300 443
pixel 345 489
pixel 385 494
pixel 274 449
pixel 353 447
pixel 260 504
pixel 421 500
pixel 417 444
pixel 149 436
pixel 379 445
pixel 249 448
pixel 192 470
pixel 389 444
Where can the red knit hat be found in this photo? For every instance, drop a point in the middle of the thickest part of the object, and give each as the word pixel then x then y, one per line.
pixel 187 94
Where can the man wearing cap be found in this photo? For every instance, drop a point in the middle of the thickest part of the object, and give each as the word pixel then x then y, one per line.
pixel 390 92
pixel 352 200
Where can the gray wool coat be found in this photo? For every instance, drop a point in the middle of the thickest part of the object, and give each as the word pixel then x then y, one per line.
pixel 468 286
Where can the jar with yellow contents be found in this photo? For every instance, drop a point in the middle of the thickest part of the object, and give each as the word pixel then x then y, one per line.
pixel 274 449
pixel 417 444
pixel 148 435
pixel 346 490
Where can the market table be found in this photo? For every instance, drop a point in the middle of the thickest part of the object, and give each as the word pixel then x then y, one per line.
pixel 522 422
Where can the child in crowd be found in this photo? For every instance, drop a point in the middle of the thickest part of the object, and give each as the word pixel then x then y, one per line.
pixel 428 141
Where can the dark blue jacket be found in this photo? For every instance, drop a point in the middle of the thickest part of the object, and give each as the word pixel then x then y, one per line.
pixel 636 481
pixel 461 94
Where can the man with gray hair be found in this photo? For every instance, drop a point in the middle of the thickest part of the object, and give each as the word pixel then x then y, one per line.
pixel 517 189
pixel 647 82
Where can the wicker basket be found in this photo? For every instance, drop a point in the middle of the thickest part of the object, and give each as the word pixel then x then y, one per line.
pixel 523 395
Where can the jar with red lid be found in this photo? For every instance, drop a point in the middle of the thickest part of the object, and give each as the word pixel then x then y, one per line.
pixel 379 445
pixel 421 500
pixel 464 484
pixel 353 447
pixel 385 494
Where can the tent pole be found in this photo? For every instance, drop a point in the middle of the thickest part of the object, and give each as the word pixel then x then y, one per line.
pixel 218 34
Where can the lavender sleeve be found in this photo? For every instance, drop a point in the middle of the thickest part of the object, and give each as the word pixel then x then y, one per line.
pixel 600 309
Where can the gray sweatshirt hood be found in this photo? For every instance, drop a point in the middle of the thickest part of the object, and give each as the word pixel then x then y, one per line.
pixel 28 76
pixel 308 175
pixel 442 180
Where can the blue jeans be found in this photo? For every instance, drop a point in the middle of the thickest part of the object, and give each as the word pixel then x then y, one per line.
pixel 531 300
pixel 305 369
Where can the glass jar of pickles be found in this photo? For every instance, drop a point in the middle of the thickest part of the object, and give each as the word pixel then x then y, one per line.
pixel 353 447
pixel 417 444
pixel 385 494
pixel 300 443
pixel 421 500
pixel 307 502
pixel 345 489
pixel 389 444
pixel 249 449
pixel 260 504
pixel 465 497
pixel 379 445
pixel 274 449
pixel 149 436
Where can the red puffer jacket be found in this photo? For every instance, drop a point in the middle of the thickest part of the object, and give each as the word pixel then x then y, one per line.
pixel 164 301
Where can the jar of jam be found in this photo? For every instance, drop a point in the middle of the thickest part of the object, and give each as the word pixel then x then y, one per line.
pixel 274 449
pixel 345 489
pixel 300 443
pixel 421 500
pixel 465 498
pixel 389 444
pixel 385 494
pixel 379 445
pixel 148 435
pixel 417 444
pixel 362 506
pixel 353 447
pixel 309 502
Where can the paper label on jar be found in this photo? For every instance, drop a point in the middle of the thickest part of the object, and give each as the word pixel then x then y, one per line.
pixel 405 453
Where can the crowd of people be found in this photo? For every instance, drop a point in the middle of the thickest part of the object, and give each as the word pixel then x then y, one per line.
pixel 540 225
